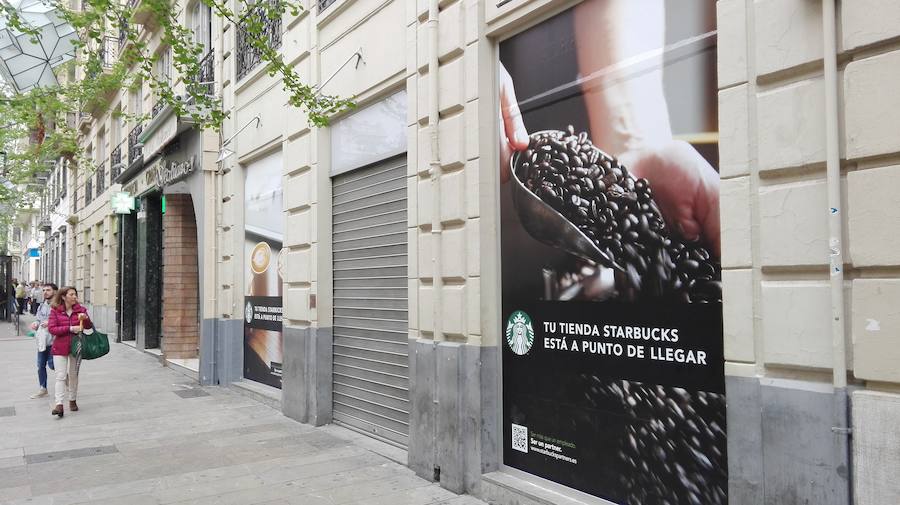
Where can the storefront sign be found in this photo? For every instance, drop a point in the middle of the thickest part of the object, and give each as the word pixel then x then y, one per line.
pixel 613 359
pixel 171 171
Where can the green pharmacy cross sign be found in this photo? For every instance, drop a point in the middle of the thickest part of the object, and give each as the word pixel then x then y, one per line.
pixel 122 203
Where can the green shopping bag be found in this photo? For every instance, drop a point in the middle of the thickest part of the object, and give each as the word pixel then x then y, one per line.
pixel 90 346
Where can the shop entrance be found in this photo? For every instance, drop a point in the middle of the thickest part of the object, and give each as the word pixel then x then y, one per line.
pixel 147 292
pixel 371 356
pixel 180 283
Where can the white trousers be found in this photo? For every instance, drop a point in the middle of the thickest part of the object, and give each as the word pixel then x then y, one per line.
pixel 66 377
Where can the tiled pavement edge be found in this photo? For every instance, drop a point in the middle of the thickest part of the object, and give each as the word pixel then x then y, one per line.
pixel 137 441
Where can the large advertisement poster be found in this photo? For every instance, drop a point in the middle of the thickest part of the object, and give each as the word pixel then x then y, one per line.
pixel 263 238
pixel 613 366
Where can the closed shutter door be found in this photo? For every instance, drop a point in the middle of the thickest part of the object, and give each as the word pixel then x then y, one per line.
pixel 371 356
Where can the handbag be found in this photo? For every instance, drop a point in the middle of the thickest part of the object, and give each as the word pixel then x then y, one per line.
pixel 90 346
pixel 44 338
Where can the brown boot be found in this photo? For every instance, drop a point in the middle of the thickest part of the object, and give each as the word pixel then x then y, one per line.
pixel 57 411
pixel 73 406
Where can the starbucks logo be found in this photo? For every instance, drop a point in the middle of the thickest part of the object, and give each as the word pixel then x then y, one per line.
pixel 519 332
pixel 248 313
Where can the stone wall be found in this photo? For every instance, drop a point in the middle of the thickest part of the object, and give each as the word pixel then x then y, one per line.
pixel 775 232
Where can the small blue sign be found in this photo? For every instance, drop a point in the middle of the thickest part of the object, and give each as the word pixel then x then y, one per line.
pixel 34 253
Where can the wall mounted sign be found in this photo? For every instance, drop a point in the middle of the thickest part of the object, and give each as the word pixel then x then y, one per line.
pixel 122 203
pixel 171 171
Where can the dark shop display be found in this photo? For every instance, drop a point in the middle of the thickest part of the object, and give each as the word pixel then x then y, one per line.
pixel 613 360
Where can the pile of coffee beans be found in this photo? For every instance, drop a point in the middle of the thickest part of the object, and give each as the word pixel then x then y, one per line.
pixel 617 212
pixel 673 450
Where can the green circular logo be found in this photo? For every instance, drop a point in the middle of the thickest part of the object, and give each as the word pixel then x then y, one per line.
pixel 519 332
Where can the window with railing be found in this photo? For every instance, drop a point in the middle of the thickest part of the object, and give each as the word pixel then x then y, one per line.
pixel 101 179
pixel 123 32
pixel 207 74
pixel 109 51
pixel 134 148
pixel 115 163
pixel 248 57
pixel 88 191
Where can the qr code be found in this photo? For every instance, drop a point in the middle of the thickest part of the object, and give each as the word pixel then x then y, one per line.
pixel 520 438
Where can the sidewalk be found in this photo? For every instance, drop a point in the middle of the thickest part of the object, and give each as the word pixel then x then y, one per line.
pixel 148 435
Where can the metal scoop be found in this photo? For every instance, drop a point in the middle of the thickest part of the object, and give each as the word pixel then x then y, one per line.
pixel 547 225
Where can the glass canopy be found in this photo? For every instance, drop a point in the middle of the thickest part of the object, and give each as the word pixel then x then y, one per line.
pixel 26 64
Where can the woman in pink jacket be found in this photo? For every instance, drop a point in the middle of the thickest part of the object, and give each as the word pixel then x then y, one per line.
pixel 67 319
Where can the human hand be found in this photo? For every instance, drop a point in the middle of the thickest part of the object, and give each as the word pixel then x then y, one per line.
pixel 513 135
pixel 34 325
pixel 685 186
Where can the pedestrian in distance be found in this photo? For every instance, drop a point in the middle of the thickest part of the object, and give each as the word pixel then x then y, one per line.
pixel 36 297
pixel 68 319
pixel 20 297
pixel 43 338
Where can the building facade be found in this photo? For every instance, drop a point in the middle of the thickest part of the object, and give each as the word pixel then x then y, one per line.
pixel 369 273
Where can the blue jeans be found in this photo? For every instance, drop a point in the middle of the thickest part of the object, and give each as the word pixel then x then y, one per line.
pixel 44 359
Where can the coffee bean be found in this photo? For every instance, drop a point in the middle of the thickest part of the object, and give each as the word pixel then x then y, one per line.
pixel 618 213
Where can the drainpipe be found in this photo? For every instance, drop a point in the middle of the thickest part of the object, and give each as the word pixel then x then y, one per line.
pixel 435 166
pixel 435 172
pixel 217 198
pixel 841 427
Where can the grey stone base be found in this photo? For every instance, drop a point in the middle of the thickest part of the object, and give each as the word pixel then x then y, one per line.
pixel 781 445
pixel 306 383
pixel 876 447
pixel 446 413
pixel 221 351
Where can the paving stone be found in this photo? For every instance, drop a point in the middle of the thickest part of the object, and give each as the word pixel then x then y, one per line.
pixel 46 457
pixel 191 393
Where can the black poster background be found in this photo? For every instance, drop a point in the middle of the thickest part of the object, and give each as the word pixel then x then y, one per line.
pixel 654 426
pixel 265 314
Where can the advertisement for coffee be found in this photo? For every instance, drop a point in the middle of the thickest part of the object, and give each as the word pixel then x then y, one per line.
pixel 613 361
pixel 263 239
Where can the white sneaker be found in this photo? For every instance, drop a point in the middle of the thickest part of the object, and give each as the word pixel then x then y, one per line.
pixel 40 394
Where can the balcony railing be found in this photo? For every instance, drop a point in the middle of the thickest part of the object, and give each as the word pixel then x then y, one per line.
pixel 134 148
pixel 101 178
pixel 109 52
pixel 248 57
pixel 88 191
pixel 207 74
pixel 115 163
pixel 123 33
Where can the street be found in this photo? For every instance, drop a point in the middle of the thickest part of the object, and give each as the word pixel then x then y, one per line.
pixel 146 434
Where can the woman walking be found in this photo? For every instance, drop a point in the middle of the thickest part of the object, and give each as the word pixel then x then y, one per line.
pixel 67 320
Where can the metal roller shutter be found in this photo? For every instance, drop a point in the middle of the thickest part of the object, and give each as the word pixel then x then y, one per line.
pixel 371 356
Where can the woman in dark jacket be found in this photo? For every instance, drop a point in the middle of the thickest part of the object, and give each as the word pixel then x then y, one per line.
pixel 67 319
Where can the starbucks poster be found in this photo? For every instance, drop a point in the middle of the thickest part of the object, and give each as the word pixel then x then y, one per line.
pixel 613 361
pixel 263 239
